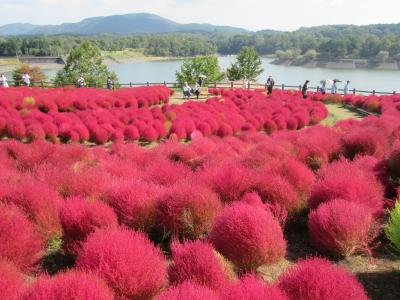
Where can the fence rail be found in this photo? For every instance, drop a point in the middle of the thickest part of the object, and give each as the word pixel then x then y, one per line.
pixel 250 86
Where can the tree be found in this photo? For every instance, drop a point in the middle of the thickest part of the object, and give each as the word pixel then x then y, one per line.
pixel 35 73
pixel 200 65
pixel 383 56
pixel 311 54
pixel 248 63
pixel 86 60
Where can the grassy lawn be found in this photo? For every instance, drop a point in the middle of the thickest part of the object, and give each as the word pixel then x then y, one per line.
pixel 337 113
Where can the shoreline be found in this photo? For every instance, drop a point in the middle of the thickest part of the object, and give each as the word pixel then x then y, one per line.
pixel 340 64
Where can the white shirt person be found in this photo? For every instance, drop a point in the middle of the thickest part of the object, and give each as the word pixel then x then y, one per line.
pixel 3 80
pixel 26 79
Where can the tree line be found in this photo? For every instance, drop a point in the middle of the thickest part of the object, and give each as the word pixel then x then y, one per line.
pixel 380 42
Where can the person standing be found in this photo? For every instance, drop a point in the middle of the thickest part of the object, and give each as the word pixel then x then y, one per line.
pixel 323 87
pixel 270 84
pixel 200 81
pixel 110 83
pixel 26 79
pixel 3 80
pixel 334 87
pixel 81 82
pixel 245 82
pixel 305 89
pixel 347 88
pixel 196 90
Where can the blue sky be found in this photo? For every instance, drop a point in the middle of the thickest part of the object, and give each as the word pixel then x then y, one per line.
pixel 250 14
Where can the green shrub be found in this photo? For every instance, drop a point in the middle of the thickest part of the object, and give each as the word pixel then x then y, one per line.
pixel 393 229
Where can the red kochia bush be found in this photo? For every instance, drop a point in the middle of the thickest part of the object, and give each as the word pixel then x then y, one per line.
pixel 135 204
pixel 72 285
pixel 127 261
pixel 345 180
pixel 80 217
pixel 189 291
pixel 251 288
pixel 11 281
pixel 199 262
pixel 39 202
pixel 248 236
pixel 20 241
pixel 188 209
pixel 342 227
pixel 318 279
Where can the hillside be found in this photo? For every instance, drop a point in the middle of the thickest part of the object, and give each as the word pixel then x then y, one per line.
pixel 117 24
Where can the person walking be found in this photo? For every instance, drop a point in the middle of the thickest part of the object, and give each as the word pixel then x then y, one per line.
pixel 26 79
pixel 110 83
pixel 270 84
pixel 305 89
pixel 3 80
pixel 334 88
pixel 323 87
pixel 200 81
pixel 196 90
pixel 346 89
pixel 187 91
pixel 81 82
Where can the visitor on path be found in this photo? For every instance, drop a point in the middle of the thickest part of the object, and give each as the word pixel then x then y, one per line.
pixel 110 83
pixel 3 81
pixel 81 82
pixel 245 82
pixel 200 81
pixel 26 79
pixel 270 84
pixel 323 87
pixel 196 90
pixel 334 88
pixel 187 91
pixel 347 88
pixel 305 89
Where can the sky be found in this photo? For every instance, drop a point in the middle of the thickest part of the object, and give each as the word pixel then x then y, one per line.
pixel 249 14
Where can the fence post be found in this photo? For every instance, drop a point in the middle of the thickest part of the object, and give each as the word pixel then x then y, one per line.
pixel 165 83
pixel 248 87
pixel 300 87
pixel 394 93
pixel 373 92
pixel 215 85
pixel 231 84
pixel 317 88
pixel 354 91
pixel 148 84
pixel 41 83
pixel 130 84
pixel 283 87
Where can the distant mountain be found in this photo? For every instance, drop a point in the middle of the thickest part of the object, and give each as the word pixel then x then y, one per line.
pixel 118 24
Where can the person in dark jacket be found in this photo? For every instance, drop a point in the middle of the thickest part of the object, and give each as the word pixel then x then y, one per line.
pixel 270 84
pixel 305 89
pixel 110 83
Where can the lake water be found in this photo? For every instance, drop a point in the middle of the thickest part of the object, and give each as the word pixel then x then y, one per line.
pixel 361 79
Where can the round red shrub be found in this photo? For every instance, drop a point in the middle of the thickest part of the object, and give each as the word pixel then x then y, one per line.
pixel 248 236
pixel 270 126
pixel 198 262
pixel 65 286
pixel 345 180
pixel 131 133
pixel 342 227
pixel 189 291
pixel 39 202
pixel 251 288
pixel 318 279
pixel 188 209
pixel 12 282
pixel 35 132
pixel 20 241
pixel 127 261
pixel 80 218
pixel 135 204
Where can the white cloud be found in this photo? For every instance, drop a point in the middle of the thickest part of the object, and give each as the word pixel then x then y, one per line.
pixel 251 14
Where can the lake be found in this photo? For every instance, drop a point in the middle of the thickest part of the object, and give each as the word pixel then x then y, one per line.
pixel 361 79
